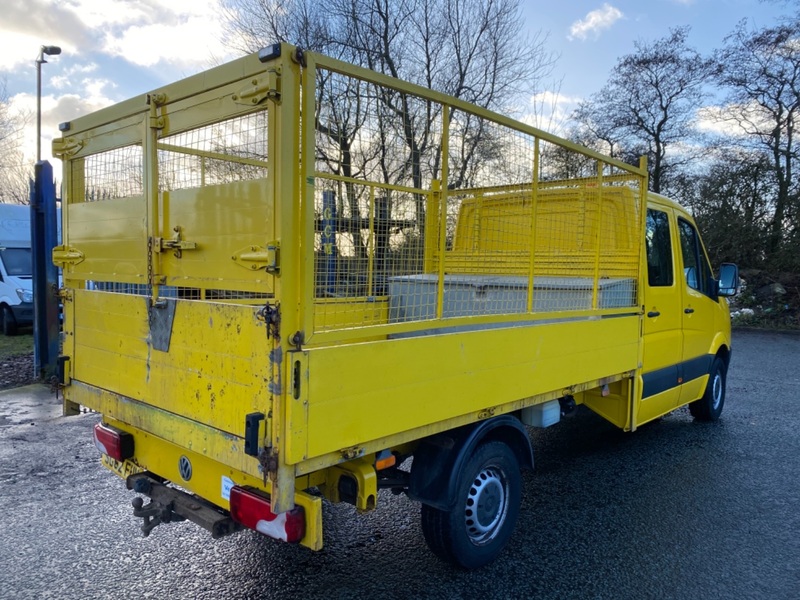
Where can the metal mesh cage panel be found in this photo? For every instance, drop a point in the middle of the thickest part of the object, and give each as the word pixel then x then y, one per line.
pixel 423 213
pixel 113 174
pixel 231 150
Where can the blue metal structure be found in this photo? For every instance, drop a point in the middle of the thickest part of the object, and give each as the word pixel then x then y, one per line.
pixel 44 237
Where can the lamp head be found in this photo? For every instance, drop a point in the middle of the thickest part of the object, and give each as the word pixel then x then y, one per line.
pixel 51 50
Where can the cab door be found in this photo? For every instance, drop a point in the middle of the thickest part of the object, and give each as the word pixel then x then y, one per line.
pixel 663 337
pixel 698 312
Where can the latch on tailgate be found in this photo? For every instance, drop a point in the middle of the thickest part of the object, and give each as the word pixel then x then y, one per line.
pixel 176 243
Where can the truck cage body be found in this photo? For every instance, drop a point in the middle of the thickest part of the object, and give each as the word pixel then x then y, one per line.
pixel 284 265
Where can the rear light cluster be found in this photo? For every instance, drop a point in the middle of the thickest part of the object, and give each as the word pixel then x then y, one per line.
pixel 252 509
pixel 114 442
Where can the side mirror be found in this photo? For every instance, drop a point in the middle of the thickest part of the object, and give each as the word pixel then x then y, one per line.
pixel 691 277
pixel 728 279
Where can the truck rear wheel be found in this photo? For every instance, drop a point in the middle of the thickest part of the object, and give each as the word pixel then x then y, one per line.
pixel 477 528
pixel 709 407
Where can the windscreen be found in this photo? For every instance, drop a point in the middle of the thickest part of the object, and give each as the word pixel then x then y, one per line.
pixel 17 261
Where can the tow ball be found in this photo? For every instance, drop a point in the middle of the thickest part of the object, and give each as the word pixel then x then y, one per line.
pixel 170 505
pixel 154 514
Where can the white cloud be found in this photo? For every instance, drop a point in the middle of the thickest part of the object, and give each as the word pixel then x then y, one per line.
pixel 594 22
pixel 71 74
pixel 56 110
pixel 178 42
pixel 27 24
pixel 724 120
pixel 550 111
pixel 184 33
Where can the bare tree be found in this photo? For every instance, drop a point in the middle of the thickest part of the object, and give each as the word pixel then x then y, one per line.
pixel 472 49
pixel 761 71
pixel 649 104
pixel 14 173
pixel 729 199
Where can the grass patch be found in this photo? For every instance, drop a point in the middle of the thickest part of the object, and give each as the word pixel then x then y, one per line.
pixel 16 345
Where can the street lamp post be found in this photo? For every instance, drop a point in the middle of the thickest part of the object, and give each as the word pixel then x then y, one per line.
pixel 43 238
pixel 50 51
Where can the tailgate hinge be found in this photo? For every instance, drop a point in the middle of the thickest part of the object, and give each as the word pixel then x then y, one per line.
pixel 66 147
pixel 253 258
pixel 268 462
pixel 259 88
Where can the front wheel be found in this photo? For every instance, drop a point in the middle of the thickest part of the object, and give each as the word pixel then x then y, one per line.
pixel 9 322
pixel 477 528
pixel 709 407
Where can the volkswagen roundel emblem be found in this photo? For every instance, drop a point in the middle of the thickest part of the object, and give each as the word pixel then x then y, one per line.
pixel 185 468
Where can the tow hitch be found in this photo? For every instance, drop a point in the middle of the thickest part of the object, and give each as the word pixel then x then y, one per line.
pixel 170 505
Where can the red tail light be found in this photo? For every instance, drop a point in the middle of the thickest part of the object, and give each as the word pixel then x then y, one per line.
pixel 111 441
pixel 252 509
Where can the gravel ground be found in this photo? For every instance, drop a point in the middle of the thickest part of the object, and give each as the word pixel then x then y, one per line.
pixel 16 371
pixel 679 509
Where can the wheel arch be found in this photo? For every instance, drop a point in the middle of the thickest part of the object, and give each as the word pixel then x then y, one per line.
pixel 724 354
pixel 438 460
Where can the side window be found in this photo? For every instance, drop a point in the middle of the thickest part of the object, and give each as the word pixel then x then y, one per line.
pixel 695 266
pixel 659 249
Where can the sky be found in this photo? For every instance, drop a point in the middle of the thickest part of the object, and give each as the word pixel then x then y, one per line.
pixel 115 49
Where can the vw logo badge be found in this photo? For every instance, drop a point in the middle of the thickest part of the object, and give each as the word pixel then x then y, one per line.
pixel 185 468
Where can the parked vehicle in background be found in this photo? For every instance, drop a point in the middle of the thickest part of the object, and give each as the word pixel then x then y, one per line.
pixel 16 283
pixel 275 292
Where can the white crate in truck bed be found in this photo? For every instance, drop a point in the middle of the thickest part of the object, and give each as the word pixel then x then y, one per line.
pixel 413 297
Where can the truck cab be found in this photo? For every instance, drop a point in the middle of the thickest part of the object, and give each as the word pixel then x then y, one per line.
pixel 686 329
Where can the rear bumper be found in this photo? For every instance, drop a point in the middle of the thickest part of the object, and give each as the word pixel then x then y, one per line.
pixel 208 480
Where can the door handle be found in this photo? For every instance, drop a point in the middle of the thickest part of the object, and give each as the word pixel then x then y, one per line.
pixel 653 314
pixel 688 311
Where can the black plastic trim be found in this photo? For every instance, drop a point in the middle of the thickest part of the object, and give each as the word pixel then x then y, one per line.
pixel 251 427
pixel 672 376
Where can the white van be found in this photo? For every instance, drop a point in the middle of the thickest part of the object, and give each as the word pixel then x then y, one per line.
pixel 16 268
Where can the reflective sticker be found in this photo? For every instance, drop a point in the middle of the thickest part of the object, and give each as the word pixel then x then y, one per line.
pixel 227 484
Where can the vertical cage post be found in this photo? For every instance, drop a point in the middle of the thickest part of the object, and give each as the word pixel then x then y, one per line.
pixel 534 206
pixel 371 244
pixel 381 250
pixel 150 165
pixel 431 229
pixel 308 130
pixel 599 237
pixel 283 139
pixel 443 208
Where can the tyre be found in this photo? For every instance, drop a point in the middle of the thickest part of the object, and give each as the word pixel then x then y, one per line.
pixel 478 527
pixel 9 322
pixel 709 407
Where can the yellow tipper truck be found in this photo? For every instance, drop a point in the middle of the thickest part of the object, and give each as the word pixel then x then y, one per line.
pixel 287 276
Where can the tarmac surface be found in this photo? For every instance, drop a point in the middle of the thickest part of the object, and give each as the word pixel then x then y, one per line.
pixel 678 509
